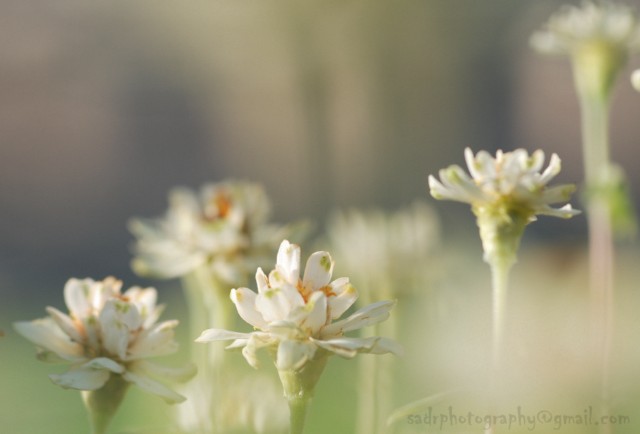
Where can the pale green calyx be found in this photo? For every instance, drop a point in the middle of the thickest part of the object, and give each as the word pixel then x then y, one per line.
pixel 598 37
pixel 505 193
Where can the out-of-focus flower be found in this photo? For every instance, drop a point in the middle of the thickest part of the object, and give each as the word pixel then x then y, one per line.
pixel 249 402
pixel 224 226
pixel 506 193
pixel 386 250
pixel 598 37
pixel 107 335
pixel 294 317
pixel 635 79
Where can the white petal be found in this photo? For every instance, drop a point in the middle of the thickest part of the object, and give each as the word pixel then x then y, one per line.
pixel 66 324
pixel 277 303
pixel 117 320
pixel 313 315
pixel 372 314
pixel 77 297
pixel 213 335
pixel 552 170
pixel 81 378
pixel 145 300
pixel 318 270
pixel 288 261
pixel 154 387
pixel 262 281
pixel 345 296
pixel 349 347
pixel 157 341
pixel 104 363
pixel 292 355
pixel 245 301
pixel 46 334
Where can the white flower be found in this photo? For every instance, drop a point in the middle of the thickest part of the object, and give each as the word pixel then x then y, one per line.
pixel 107 333
pixel 571 27
pixel 224 226
pixel 383 249
pixel 511 183
pixel 635 79
pixel 294 316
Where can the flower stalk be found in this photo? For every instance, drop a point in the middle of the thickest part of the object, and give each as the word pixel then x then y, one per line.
pixel 103 403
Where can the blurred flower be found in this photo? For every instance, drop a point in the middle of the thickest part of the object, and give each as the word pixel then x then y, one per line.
pixel 506 193
pixel 295 316
pixel 386 250
pixel 250 402
pixel 106 335
pixel 635 79
pixel 224 226
pixel 598 37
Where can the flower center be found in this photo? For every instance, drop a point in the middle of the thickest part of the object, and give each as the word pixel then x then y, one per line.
pixel 219 208
pixel 306 292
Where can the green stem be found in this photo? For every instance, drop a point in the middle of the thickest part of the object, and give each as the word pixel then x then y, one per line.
pixel 499 279
pixel 298 413
pixel 103 403
pixel 298 388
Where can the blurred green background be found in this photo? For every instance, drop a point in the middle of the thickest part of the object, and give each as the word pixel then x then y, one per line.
pixel 329 104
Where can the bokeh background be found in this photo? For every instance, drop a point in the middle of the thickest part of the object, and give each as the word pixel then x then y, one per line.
pixel 330 104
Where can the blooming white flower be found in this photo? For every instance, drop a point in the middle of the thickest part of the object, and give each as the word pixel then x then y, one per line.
pixel 635 79
pixel 107 334
pixel 385 250
pixel 606 22
pixel 224 226
pixel 511 183
pixel 294 316
pixel 506 193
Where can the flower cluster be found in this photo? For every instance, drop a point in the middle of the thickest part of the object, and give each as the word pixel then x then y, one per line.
pixel 107 333
pixel 223 226
pixel 295 316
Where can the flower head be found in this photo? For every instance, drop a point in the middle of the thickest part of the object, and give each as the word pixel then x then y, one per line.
pixel 295 316
pixel 107 333
pixel 506 193
pixel 224 226
pixel 511 183
pixel 598 37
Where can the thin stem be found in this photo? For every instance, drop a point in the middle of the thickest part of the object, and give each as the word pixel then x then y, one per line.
pixel 595 128
pixel 499 279
pixel 298 413
pixel 103 403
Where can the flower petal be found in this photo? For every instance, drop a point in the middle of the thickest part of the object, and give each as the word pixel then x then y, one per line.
pixel 104 363
pixel 77 297
pixel 66 324
pixel 317 272
pixel 156 341
pixel 46 334
pixel 213 335
pixel 118 319
pixel 372 314
pixel 81 378
pixel 288 261
pixel 245 301
pixel 154 387
pixel 345 296
pixel 349 347
pixel 292 355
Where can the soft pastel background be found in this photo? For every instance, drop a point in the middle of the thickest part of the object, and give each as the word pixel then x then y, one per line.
pixel 104 106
